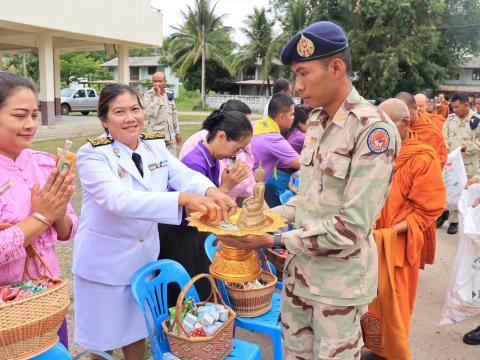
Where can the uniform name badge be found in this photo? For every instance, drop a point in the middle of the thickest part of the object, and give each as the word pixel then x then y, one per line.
pixel 158 165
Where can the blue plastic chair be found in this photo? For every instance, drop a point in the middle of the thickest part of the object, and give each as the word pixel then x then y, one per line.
pixel 267 323
pixel 149 285
pixel 57 352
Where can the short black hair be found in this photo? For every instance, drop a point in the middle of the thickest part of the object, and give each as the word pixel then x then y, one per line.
pixel 278 103
pixel 344 55
pixel 236 105
pixel 235 124
pixel 462 97
pixel 281 85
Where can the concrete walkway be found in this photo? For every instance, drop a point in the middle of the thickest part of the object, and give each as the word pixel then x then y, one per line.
pixel 74 126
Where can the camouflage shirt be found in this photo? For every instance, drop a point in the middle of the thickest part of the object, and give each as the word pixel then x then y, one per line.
pixel 346 171
pixel 162 114
pixel 458 131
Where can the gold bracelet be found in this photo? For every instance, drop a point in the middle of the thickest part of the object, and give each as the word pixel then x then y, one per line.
pixel 41 217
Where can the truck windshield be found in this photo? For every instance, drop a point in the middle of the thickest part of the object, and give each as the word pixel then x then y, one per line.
pixel 66 92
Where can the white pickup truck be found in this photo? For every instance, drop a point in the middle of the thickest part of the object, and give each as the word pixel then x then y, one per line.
pixel 83 100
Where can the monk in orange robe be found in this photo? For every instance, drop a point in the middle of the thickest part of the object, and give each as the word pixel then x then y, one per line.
pixel 416 199
pixel 422 102
pixel 442 107
pixel 426 129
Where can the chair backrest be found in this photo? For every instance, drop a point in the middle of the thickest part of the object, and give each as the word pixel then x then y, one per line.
pixel 149 285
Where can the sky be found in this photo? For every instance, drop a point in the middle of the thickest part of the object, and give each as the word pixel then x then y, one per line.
pixel 236 12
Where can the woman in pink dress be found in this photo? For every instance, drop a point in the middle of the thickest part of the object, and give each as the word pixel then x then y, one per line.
pixel 35 210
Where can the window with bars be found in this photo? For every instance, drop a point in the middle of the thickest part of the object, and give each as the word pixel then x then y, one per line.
pixel 476 74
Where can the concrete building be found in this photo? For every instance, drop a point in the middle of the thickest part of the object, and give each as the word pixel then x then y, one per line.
pixel 141 70
pixel 468 80
pixel 49 27
pixel 250 80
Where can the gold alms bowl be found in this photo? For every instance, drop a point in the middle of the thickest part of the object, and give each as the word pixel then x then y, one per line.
pixel 232 264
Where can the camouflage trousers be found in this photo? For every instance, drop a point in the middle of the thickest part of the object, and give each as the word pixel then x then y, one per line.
pixel 313 330
pixel 172 147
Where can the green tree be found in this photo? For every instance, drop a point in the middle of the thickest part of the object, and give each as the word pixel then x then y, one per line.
pixel 262 44
pixel 217 78
pixel 400 45
pixel 202 36
pixel 74 65
pixel 22 64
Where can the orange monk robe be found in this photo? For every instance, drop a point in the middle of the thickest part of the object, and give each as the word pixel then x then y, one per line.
pixel 417 196
pixel 443 109
pixel 426 131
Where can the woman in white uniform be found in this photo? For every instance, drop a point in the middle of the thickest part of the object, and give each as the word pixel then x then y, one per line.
pixel 125 176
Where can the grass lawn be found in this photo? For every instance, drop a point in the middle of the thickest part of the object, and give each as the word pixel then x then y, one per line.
pixel 65 249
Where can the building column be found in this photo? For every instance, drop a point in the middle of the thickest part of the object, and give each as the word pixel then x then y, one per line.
pixel 56 75
pixel 47 86
pixel 123 69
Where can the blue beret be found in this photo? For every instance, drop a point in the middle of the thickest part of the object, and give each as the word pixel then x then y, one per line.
pixel 321 39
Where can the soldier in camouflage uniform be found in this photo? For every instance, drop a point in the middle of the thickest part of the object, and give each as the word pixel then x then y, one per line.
pixel 162 112
pixel 346 170
pixel 462 129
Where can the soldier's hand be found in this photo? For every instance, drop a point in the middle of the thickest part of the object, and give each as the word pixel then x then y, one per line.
pixel 464 147
pixel 250 242
pixel 178 139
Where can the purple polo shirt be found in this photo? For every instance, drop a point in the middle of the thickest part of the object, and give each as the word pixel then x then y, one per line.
pixel 200 159
pixel 273 150
pixel 296 139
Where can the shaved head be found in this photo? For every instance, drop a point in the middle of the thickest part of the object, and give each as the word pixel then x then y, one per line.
pixel 398 111
pixel 409 100
pixel 421 100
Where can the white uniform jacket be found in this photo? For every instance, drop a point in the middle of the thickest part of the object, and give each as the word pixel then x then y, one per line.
pixel 118 231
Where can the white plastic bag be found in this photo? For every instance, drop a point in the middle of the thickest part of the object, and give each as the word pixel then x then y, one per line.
pixel 463 296
pixel 454 178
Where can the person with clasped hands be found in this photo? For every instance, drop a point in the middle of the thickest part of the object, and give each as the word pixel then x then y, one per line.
pixel 34 208
pixel 125 178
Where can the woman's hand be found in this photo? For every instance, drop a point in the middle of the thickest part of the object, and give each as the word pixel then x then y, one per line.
pixel 52 200
pixel 227 205
pixel 196 203
pixel 234 175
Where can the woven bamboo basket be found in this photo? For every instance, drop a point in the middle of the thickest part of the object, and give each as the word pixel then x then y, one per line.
pixel 29 327
pixel 215 347
pixel 278 261
pixel 253 302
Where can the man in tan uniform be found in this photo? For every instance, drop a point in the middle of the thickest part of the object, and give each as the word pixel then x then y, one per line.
pixel 462 130
pixel 346 170
pixel 162 112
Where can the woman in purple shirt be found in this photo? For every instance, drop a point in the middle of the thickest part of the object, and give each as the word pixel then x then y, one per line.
pixel 296 134
pixel 229 133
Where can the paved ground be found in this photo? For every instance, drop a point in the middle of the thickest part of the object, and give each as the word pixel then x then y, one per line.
pixel 73 126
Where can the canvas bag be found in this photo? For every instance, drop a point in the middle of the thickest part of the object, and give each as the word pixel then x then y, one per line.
pixel 463 296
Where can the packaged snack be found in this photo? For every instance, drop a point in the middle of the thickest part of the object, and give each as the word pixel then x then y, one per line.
pixel 65 159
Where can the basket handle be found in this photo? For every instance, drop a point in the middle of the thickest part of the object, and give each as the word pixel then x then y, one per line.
pixel 33 254
pixel 179 307
pixel 265 260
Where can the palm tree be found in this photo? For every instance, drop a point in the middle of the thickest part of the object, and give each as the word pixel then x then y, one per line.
pixel 202 36
pixel 262 44
pixel 296 17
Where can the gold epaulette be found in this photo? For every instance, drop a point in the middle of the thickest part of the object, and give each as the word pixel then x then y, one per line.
pixel 152 135
pixel 100 141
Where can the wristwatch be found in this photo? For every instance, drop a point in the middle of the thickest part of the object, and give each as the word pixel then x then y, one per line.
pixel 277 240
